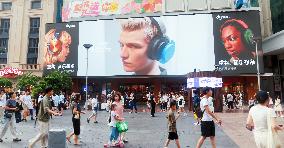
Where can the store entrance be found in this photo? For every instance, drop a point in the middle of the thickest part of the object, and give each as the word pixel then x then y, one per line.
pixel 139 90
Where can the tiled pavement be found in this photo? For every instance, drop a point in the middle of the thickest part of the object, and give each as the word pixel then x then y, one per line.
pixel 146 132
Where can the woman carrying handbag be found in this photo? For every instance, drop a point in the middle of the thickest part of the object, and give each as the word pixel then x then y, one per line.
pixel 262 121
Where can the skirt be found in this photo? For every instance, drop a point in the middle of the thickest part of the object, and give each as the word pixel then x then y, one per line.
pixel 76 126
pixel 260 139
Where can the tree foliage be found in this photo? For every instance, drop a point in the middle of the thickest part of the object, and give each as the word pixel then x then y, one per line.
pixel 4 82
pixel 59 81
pixel 27 80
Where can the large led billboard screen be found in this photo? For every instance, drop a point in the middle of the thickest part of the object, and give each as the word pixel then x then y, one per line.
pixel 166 45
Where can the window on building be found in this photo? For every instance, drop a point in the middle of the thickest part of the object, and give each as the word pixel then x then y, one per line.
pixel 34 25
pixel 4 39
pixel 5 26
pixel 3 45
pixel 6 5
pixel 33 45
pixel 277 15
pixel 32 61
pixel 32 54
pixel 36 4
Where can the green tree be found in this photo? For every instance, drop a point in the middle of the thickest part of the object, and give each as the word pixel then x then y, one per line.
pixel 27 80
pixel 59 81
pixel 39 87
pixel 4 83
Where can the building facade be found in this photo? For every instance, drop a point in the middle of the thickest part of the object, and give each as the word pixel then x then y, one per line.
pixel 22 30
pixel 242 82
pixel 273 46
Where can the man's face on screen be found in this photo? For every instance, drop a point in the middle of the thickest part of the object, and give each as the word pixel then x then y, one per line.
pixel 133 51
pixel 232 41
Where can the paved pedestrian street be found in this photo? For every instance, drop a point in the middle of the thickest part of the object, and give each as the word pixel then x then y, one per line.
pixel 144 132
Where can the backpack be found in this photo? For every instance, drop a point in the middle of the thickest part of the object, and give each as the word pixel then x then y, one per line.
pixel 196 101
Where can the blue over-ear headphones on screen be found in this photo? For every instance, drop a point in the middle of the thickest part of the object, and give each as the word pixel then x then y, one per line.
pixel 160 48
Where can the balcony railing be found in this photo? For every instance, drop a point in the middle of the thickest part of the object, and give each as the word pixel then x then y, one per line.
pixel 2 66
pixel 32 67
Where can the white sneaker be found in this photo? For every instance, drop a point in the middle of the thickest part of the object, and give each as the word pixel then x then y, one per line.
pixel 195 123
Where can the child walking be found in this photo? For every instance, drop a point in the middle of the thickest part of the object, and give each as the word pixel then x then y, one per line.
pixel 172 124
pixel 114 118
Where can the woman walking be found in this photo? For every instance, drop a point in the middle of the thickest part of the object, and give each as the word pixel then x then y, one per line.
pixel 76 111
pixel 262 121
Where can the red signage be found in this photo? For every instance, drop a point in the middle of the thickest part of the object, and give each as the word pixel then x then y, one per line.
pixel 10 72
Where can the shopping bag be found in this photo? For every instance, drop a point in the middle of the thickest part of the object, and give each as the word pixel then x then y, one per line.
pixel 122 126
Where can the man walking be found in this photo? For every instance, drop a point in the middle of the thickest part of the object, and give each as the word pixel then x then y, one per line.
pixel 43 119
pixel 207 123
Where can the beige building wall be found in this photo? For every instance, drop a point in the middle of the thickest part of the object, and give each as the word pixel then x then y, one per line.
pixel 265 18
pixel 20 15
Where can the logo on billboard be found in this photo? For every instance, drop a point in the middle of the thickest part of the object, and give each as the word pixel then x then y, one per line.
pixel 70 26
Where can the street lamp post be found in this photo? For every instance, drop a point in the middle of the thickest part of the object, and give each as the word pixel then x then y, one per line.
pixel 256 40
pixel 87 46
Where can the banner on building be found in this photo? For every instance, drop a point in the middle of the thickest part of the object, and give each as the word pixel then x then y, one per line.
pixel 166 45
pixel 87 8
pixel 61 47
pixel 234 42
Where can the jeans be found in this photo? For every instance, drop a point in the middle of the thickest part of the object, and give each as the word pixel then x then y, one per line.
pixel 9 122
pixel 1 114
pixel 133 105
pixel 114 134
pixel 42 135
pixel 32 113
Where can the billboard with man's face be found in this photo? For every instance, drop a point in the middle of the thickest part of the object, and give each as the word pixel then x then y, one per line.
pixel 166 45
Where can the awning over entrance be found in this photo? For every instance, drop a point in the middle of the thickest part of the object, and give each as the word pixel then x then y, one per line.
pixel 274 44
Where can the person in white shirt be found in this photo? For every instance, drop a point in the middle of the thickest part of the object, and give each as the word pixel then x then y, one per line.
pixel 262 121
pixel 2 105
pixel 27 99
pixel 181 103
pixel 230 99
pixel 207 123
pixel 40 97
pixel 165 102
pixel 94 102
pixel 61 103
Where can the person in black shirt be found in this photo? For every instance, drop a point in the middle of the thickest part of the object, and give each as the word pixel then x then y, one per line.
pixel 10 110
pixel 76 111
pixel 153 104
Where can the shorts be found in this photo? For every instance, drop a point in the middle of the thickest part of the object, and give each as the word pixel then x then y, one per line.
pixel 95 111
pixel 173 136
pixel 76 126
pixel 207 128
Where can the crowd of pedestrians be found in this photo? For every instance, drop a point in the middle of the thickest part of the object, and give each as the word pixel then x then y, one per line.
pixel 17 107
